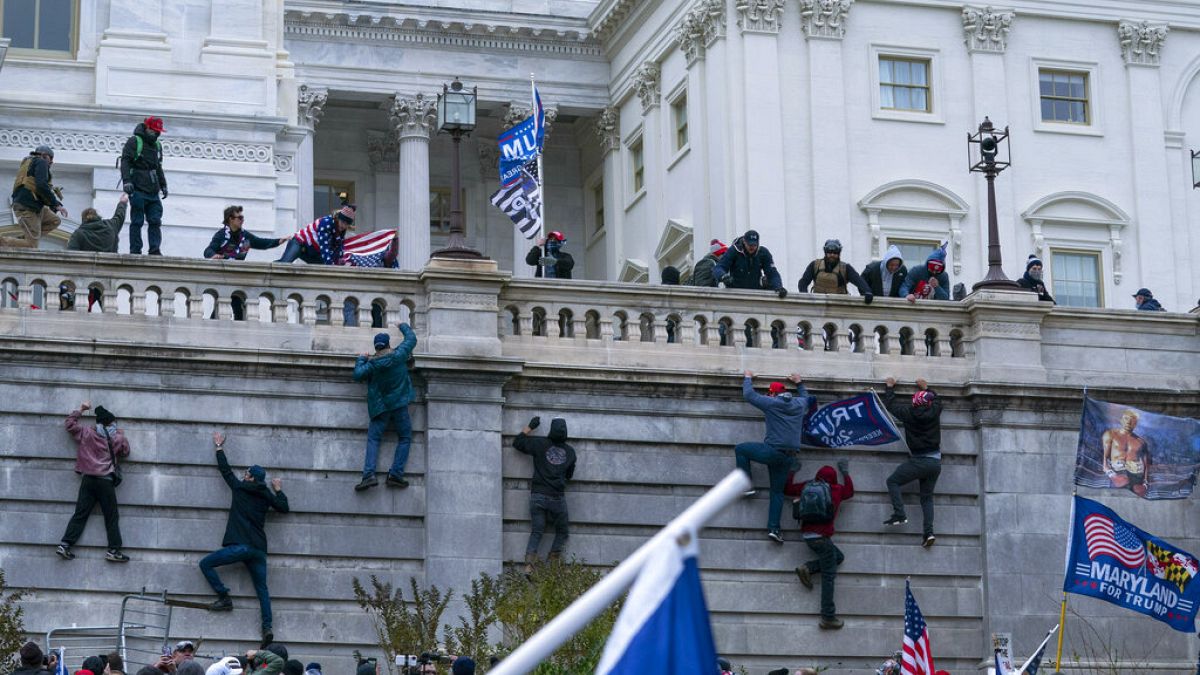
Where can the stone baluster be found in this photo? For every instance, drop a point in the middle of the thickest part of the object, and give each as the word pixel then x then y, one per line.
pixel 337 317
pixel 137 303
pixel 364 314
pixel 25 296
pixel 308 312
pixel 392 315
pixel 606 329
pixel 525 320
pixel 869 341
pixel 195 304
pixel 842 333
pixel 660 330
pixel 764 334
pixel 279 310
pixel 579 323
pixel 109 301
pixel 686 331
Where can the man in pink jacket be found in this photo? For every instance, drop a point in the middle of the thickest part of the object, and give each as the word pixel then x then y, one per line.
pixel 99 446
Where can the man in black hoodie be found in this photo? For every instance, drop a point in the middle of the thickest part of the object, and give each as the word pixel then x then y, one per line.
pixel 923 432
pixel 245 539
pixel 553 466
pixel 142 179
pixel 748 265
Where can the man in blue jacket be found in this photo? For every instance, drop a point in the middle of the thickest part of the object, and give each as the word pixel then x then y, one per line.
pixel 929 282
pixel 784 414
pixel 389 391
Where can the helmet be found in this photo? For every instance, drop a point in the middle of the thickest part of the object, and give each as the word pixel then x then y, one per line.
pixel 833 246
pixel 556 235
pixel 44 150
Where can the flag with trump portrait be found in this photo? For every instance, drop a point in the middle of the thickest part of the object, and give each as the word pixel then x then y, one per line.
pixel 1154 456
pixel 1115 561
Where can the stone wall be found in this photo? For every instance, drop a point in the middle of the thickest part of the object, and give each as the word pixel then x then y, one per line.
pixel 653 422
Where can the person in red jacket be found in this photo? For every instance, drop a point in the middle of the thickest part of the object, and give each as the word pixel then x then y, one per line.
pixel 819 537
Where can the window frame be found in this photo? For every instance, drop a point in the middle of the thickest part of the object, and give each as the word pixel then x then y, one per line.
pixel 338 185
pixel 635 147
pixel 1092 85
pixel 1096 254
pixel 50 54
pixel 678 103
pixel 445 191
pixel 933 79
pixel 913 241
pixel 1086 99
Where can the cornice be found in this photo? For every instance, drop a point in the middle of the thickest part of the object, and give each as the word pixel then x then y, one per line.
pixel 465 31
pixel 1176 13
pixel 608 17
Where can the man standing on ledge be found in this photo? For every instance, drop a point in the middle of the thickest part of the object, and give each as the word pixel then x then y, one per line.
pixel 923 432
pixel 389 391
pixel 35 201
pixel 784 414
pixel 143 180
pixel 245 538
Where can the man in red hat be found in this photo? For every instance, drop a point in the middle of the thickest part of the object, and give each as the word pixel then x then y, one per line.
pixel 143 180
pixel 551 261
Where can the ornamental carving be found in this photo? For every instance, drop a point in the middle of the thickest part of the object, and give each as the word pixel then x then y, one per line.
pixel 648 85
pixel 112 143
pixel 759 16
pixel 824 18
pixel 608 129
pixel 310 103
pixel 489 160
pixel 284 163
pixel 700 27
pixel 413 117
pixel 1141 42
pixel 383 151
pixel 515 114
pixel 986 30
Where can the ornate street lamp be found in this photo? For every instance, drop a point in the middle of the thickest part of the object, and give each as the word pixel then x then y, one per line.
pixel 456 116
pixel 988 153
pixel 1195 169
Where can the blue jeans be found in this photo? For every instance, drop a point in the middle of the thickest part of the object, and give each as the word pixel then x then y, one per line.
pixel 145 208
pixel 256 564
pixel 379 424
pixel 778 462
pixel 545 509
pixel 297 250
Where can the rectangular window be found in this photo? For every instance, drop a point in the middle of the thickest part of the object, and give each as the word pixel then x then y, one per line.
pixel 637 161
pixel 914 251
pixel 325 196
pixel 1076 278
pixel 439 209
pixel 41 25
pixel 1064 96
pixel 904 84
pixel 680 114
pixel 598 207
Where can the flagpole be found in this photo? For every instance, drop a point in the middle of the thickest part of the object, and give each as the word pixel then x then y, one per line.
pixel 539 121
pixel 560 629
pixel 1062 612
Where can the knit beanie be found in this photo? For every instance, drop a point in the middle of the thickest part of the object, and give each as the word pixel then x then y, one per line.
pixel 31 654
pixel 463 665
pixel 777 388
pixel 923 398
pixel 1033 260
pixel 259 474
pixel 715 245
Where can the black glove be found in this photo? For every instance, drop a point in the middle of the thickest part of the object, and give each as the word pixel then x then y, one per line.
pixel 535 422
pixel 164 191
pixel 781 292
pixel 868 298
pixel 727 279
pixel 128 188
pixel 843 466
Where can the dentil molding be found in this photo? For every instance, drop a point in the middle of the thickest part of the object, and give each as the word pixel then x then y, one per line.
pixel 310 104
pixel 647 82
pixel 986 30
pixel 1141 42
pixel 824 18
pixel 113 143
pixel 760 16
pixel 413 117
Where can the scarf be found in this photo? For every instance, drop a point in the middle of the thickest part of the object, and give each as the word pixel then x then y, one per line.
pixel 230 249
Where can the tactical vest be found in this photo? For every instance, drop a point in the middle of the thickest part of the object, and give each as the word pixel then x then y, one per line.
pixel 829 282
pixel 25 179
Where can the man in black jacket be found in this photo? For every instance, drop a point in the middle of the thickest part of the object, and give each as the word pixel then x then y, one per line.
pixel 548 257
pixel 245 539
pixel 96 234
pixel 553 466
pixel 142 179
pixel 923 432
pixel 830 275
pixel 885 277
pixel 35 199
pixel 1032 280
pixel 748 265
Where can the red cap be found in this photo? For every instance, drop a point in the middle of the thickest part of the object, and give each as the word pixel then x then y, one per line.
pixel 776 388
pixel 556 235
pixel 154 124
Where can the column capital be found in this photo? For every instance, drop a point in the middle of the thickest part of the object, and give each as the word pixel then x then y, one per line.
pixel 1141 42
pixel 759 16
pixel 383 151
pixel 413 117
pixel 986 29
pixel 310 104
pixel 647 82
pixel 608 129
pixel 703 25
pixel 516 113
pixel 824 19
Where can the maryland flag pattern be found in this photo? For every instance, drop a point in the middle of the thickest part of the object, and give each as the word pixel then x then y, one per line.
pixel 1176 567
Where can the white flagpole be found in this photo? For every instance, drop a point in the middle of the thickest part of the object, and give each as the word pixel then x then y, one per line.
pixel 590 604
pixel 538 121
pixel 1040 647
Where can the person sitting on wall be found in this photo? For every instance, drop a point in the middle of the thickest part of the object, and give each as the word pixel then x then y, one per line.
pixel 232 242
pixel 1032 280
pixel 885 277
pixel 1144 300
pixel 929 282
pixel 97 235
pixel 321 241
pixel 746 264
pixel 553 466
pixel 830 275
pixel 548 257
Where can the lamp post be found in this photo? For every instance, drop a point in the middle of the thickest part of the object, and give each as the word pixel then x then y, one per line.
pixel 456 116
pixel 993 157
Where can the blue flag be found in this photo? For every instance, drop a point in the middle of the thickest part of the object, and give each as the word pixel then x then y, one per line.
pixel 61 668
pixel 522 143
pixel 663 628
pixel 858 420
pixel 1121 564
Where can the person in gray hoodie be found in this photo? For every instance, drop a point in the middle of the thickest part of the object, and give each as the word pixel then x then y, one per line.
pixel 784 414
pixel 885 277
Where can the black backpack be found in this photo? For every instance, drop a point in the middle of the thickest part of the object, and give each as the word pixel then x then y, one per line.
pixel 815 505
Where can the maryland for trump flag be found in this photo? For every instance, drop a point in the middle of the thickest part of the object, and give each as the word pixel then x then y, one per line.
pixel 1121 564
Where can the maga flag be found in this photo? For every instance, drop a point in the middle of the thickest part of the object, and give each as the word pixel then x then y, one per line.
pixel 858 420
pixel 522 143
pixel 1154 456
pixel 1112 560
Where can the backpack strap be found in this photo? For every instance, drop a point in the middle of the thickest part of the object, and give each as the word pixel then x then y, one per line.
pixel 138 151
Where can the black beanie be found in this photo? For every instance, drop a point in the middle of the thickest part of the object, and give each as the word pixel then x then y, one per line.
pixel 104 417
pixel 1033 260
pixel 31 654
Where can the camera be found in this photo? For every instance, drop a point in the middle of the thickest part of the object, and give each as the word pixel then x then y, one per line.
pixel 420 665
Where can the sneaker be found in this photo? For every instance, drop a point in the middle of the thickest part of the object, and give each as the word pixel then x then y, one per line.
pixel 831 623
pixel 221 604
pixel 805 577
pixel 750 493
pixel 114 555
pixel 64 552
pixel 896 520
pixel 929 539
pixel 393 481
pixel 368 482
pixel 530 560
pixel 155 251
pixel 774 536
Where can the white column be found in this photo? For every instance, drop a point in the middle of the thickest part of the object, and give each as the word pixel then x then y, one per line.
pixel 310 105
pixel 693 34
pixel 648 85
pixel 413 120
pixel 714 135
pixel 609 132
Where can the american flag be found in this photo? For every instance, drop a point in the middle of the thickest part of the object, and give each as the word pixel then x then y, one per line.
pixel 369 249
pixel 322 235
pixel 918 657
pixel 1104 537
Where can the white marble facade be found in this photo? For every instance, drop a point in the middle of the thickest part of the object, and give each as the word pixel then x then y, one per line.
pixel 788 128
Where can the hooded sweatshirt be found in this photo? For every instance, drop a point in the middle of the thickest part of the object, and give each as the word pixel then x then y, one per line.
pixel 553 458
pixel 99 235
pixel 882 282
pixel 838 493
pixel 248 511
pixel 917 280
pixel 93 458
pixel 784 414
pixel 143 170
pixel 922 424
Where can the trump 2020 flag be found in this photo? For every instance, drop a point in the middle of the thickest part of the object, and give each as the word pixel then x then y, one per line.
pixel 858 420
pixel 522 143
pixel 663 628
pixel 1121 564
